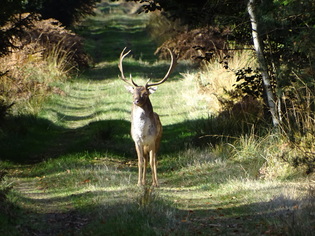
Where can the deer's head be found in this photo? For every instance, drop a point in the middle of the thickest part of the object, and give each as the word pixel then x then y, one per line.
pixel 141 93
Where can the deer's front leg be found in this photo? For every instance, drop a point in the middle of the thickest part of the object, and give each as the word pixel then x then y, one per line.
pixel 141 165
pixel 153 168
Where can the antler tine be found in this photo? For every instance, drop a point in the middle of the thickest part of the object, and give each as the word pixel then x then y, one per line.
pixel 172 66
pixel 120 66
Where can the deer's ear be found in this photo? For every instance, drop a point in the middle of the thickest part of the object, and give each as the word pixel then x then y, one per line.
pixel 129 88
pixel 152 89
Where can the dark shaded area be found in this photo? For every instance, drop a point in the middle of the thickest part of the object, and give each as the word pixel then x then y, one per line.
pixel 31 140
pixel 27 139
pixel 152 71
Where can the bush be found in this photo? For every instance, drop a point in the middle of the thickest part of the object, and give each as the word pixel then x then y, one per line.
pixel 41 37
pixel 298 124
pixel 198 44
pixel 45 52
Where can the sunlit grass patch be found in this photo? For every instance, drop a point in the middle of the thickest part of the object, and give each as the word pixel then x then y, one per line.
pixel 144 214
pixel 72 181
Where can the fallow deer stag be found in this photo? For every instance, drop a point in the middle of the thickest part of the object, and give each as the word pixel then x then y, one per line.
pixel 146 127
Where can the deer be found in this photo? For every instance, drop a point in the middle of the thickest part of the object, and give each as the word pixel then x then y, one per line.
pixel 146 127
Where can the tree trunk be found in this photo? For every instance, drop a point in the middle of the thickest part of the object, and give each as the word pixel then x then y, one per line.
pixel 262 63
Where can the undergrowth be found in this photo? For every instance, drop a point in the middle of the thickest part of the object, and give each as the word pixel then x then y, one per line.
pixel 45 53
pixel 8 206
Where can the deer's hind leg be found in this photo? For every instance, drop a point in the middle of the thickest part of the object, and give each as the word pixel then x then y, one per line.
pixel 145 164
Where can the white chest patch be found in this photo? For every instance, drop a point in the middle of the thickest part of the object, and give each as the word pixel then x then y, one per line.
pixel 143 129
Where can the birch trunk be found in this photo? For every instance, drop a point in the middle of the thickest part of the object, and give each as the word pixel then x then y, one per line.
pixel 262 63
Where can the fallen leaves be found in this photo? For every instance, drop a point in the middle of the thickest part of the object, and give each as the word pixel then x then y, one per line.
pixel 86 181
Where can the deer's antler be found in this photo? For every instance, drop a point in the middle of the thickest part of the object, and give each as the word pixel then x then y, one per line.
pixel 120 66
pixel 172 66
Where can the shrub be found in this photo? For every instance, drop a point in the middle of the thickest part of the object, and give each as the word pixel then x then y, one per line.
pixel 45 53
pixel 198 44
pixel 298 124
pixel 41 37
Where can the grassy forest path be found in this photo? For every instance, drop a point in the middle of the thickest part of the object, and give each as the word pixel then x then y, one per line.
pixel 82 170
pixel 93 116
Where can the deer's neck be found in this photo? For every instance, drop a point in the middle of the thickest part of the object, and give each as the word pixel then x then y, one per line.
pixel 145 111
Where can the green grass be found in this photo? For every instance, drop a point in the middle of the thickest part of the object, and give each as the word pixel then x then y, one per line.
pixel 74 168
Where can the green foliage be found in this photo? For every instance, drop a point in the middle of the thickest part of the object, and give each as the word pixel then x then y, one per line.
pixel 287 28
pixel 250 82
pixel 67 12
pixel 199 13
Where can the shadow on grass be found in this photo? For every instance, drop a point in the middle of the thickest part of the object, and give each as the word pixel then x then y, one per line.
pixel 30 140
pixel 27 139
pixel 156 71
